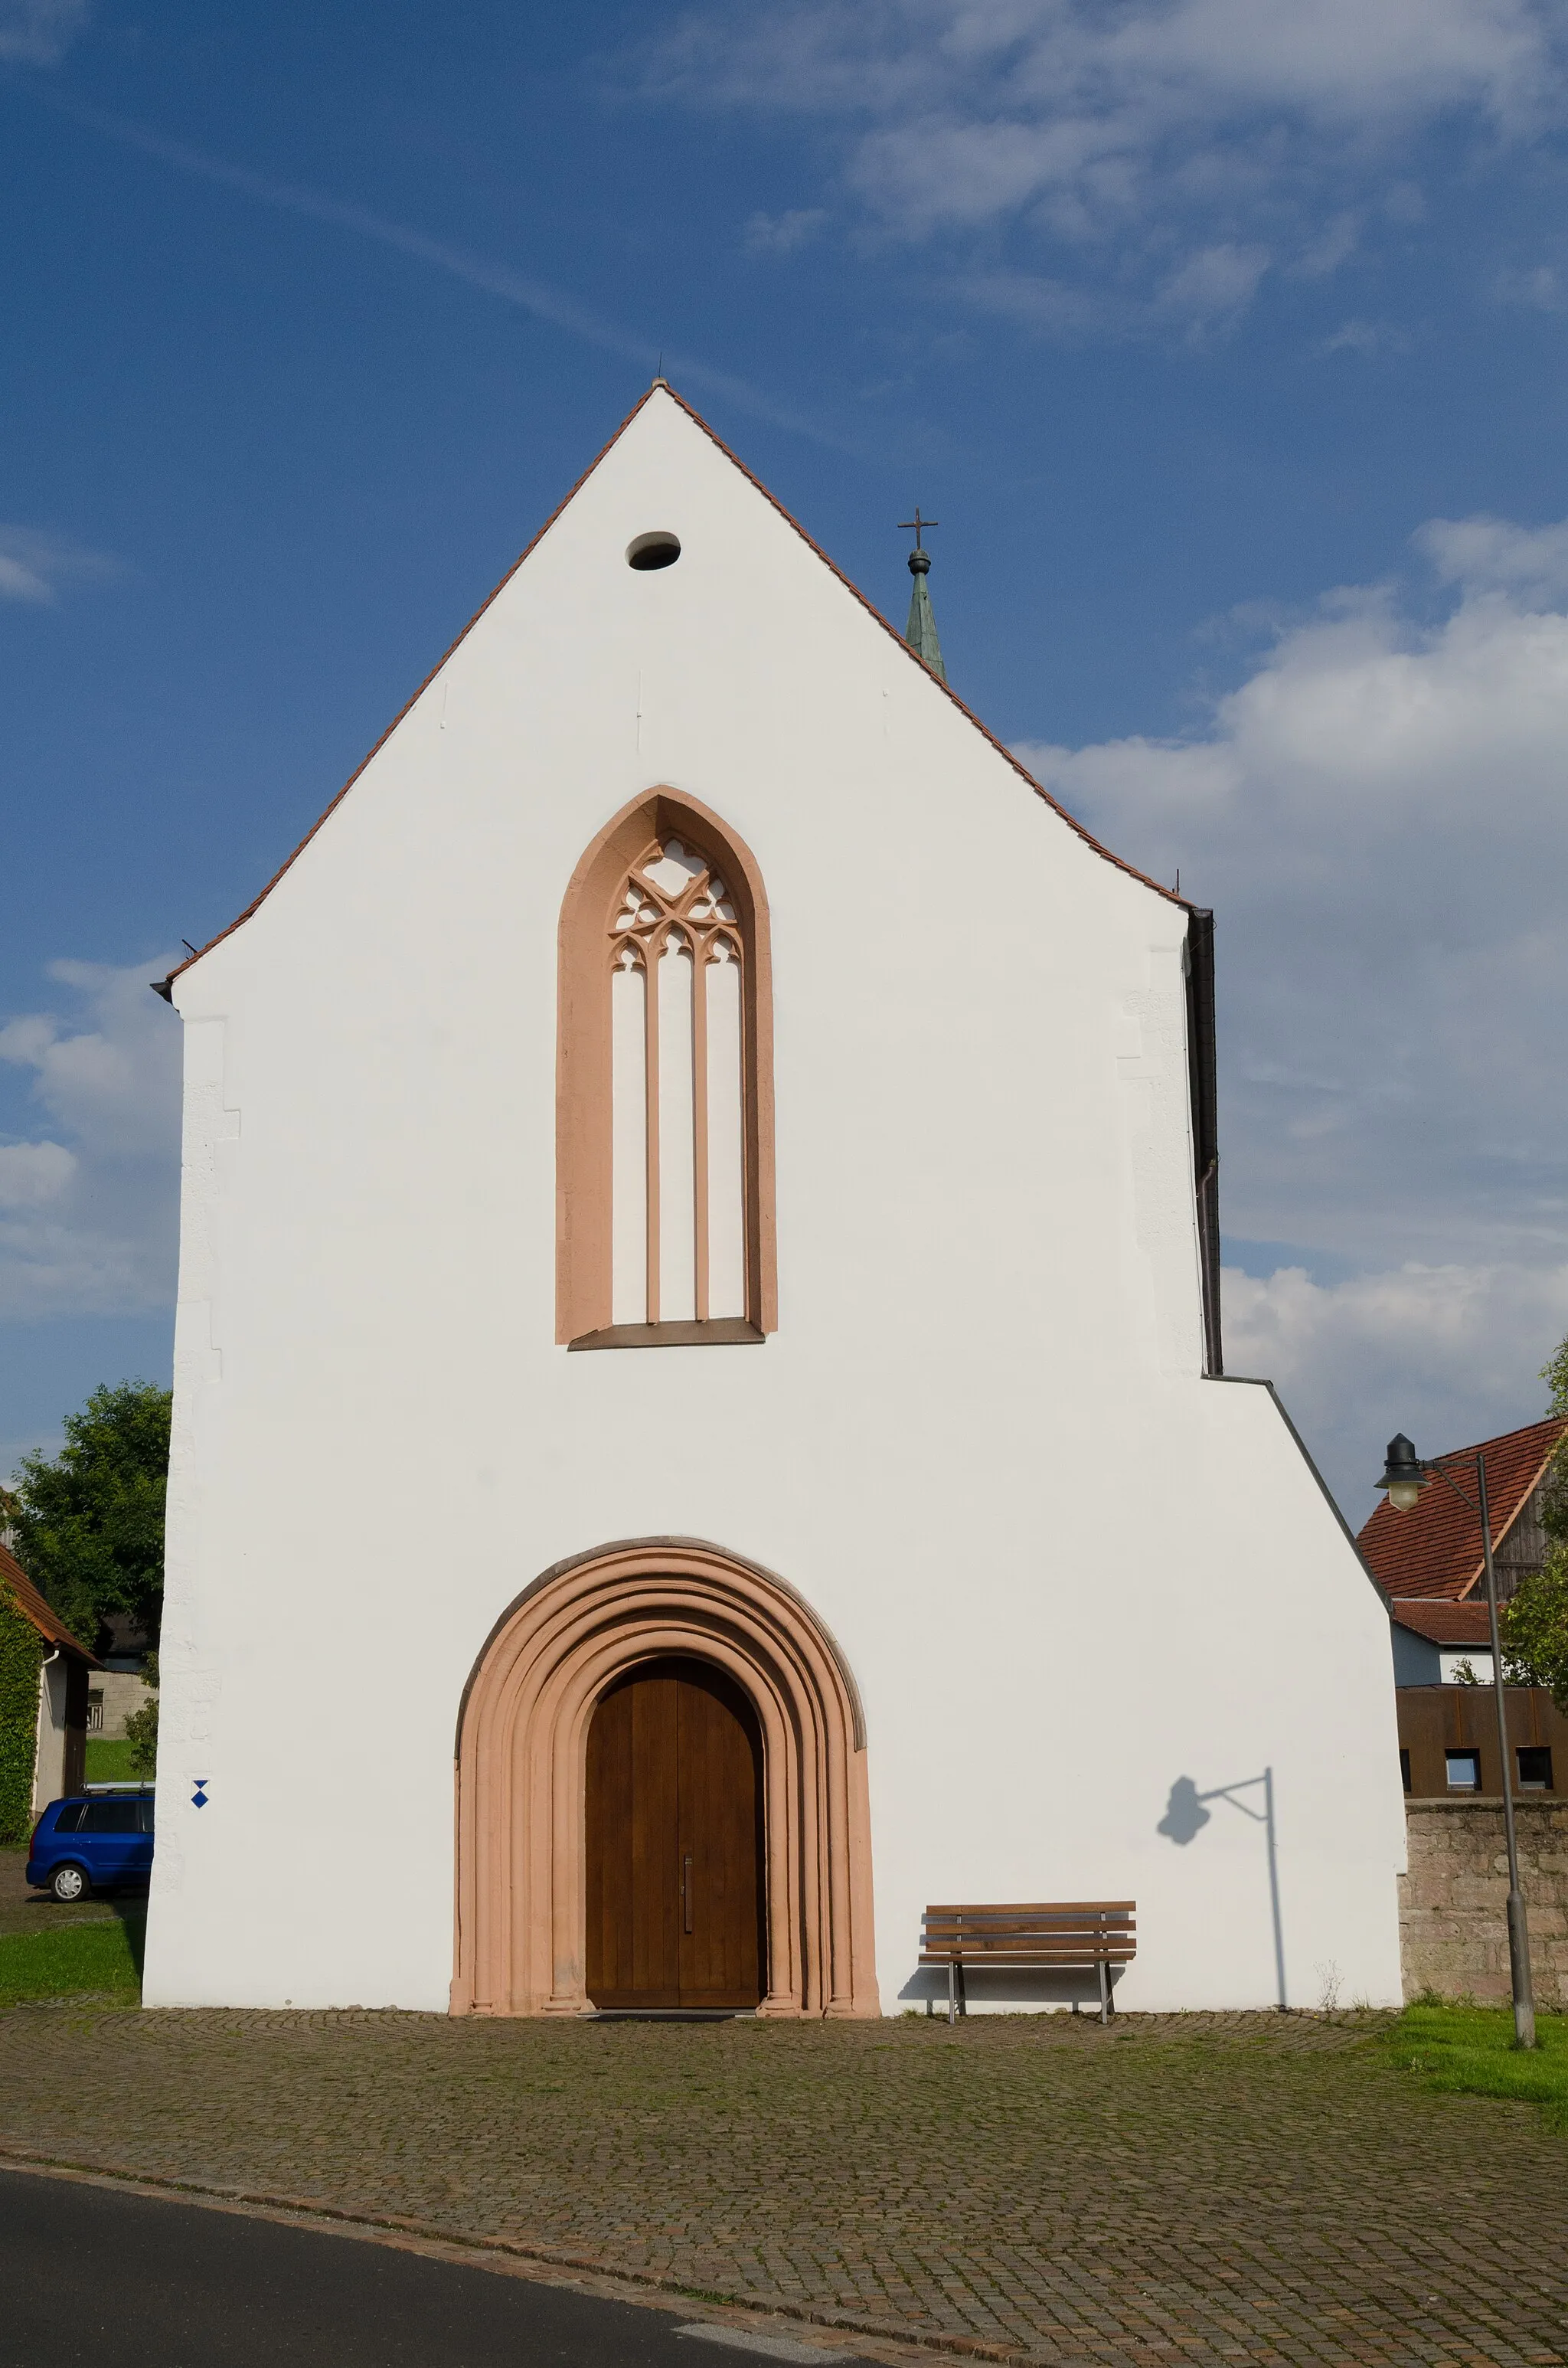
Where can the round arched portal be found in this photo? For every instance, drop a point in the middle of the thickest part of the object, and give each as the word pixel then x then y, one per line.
pixel 522 1751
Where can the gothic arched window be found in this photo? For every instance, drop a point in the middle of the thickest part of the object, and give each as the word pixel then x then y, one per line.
pixel 665 1137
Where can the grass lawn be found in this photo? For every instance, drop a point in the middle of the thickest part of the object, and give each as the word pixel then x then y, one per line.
pixel 1470 2049
pixel 108 1761
pixel 72 1959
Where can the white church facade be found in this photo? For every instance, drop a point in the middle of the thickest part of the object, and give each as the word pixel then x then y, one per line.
pixel 698 1427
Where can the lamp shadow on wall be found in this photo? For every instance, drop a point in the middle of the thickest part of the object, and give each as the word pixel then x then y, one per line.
pixel 1186 1814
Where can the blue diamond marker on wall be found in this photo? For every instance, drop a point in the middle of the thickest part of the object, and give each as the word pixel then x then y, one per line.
pixel 199 1798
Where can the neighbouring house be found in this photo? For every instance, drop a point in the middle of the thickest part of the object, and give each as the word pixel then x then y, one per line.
pixel 120 1690
pixel 1435 1551
pixel 1448 1741
pixel 60 1726
pixel 1446 1707
pixel 1440 1643
pixel 699 1231
pixel 1431 1565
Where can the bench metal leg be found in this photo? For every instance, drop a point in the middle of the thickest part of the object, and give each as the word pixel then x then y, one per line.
pixel 953 1991
pixel 1106 2009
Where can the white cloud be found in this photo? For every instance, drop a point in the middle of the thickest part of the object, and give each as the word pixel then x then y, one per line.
pixel 88 1224
pixel 39 32
pixel 1449 1354
pixel 1042 304
pixel 33 566
pixel 1215 282
pixel 1489 553
pixel 32 1174
pixel 1366 338
pixel 1540 288
pixel 1379 815
pixel 784 234
pixel 1163 137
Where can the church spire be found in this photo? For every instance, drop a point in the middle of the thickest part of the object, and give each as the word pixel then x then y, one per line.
pixel 921 630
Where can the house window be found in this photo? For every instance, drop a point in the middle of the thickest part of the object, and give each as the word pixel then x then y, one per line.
pixel 1535 1766
pixel 1404 1766
pixel 1464 1771
pixel 664 1134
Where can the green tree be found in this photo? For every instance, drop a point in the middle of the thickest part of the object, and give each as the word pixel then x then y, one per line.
pixel 89 1524
pixel 1554 1495
pixel 1534 1628
pixel 142 1726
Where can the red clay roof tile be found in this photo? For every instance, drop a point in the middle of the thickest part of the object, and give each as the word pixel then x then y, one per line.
pixel 1445 1623
pixel 1434 1549
pixel 31 1605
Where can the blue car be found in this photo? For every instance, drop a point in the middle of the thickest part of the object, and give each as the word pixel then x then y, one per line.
pixel 91 1843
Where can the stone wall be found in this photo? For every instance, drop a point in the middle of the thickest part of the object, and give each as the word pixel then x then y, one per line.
pixel 122 1692
pixel 1453 1902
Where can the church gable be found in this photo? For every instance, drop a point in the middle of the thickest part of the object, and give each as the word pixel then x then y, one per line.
pixel 664 415
pixel 978 1007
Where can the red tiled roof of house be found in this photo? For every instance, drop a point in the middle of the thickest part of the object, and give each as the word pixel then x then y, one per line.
pixel 1445 1623
pixel 1434 1549
pixel 31 1605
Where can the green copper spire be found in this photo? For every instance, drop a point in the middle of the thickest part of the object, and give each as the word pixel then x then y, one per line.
pixel 921 630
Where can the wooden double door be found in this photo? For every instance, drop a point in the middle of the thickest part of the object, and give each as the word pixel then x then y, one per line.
pixel 674 1841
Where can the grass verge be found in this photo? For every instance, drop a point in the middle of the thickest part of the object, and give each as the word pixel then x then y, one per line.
pixel 71 1959
pixel 1470 2049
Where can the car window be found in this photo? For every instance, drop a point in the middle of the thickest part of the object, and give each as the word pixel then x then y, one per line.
pixel 144 1813
pixel 70 1817
pixel 109 1818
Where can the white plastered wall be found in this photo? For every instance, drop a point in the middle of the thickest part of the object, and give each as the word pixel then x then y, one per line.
pixel 49 1760
pixel 1067 1572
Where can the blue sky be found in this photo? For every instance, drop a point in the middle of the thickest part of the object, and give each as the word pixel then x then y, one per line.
pixel 1226 339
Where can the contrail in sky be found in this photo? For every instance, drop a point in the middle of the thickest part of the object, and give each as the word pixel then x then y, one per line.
pixel 516 288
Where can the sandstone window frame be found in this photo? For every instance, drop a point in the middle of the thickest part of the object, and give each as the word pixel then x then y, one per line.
pixel 584 1317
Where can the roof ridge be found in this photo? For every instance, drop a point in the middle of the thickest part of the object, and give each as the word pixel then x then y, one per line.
pixel 661 386
pixel 1478 1447
pixel 915 659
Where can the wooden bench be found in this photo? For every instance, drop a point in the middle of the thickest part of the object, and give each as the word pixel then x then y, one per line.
pixel 1064 1936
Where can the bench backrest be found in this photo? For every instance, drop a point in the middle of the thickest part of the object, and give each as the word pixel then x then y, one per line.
pixel 1060 1931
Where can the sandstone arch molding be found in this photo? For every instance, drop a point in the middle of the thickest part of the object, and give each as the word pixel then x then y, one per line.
pixel 522 1747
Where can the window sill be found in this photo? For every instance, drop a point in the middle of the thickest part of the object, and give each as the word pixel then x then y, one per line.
pixel 725 1331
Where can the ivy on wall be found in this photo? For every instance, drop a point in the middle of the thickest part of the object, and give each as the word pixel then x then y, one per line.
pixel 21 1659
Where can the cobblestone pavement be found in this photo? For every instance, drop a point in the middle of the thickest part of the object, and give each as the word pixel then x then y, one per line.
pixel 1208 2188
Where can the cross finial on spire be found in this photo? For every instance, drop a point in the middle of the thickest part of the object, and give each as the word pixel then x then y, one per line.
pixel 921 630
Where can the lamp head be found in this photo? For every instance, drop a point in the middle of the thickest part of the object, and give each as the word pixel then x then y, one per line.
pixel 1404 1474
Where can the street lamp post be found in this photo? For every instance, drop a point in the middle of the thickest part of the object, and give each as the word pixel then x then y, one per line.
pixel 1405 1476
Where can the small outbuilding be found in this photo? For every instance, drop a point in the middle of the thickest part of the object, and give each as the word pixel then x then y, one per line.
pixel 59 1723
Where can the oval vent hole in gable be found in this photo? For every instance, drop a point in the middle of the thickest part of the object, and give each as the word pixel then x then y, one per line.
pixel 657 550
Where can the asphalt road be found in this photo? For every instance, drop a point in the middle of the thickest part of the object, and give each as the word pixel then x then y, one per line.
pixel 93 2278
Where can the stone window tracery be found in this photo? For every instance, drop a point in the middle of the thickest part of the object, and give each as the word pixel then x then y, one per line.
pixel 677 1155
pixel 665 1185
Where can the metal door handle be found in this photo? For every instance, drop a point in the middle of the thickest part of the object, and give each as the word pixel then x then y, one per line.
pixel 686 1888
